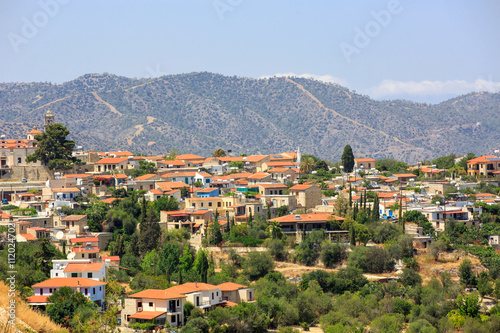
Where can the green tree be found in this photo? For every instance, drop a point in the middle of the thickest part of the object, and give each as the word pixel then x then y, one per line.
pixel 307 164
pixel 348 159
pixel 467 276
pixel 170 257
pixel 468 305
pixel 435 248
pixel 149 232
pixel 219 152
pixel 64 303
pixel 201 265
pixel 165 203
pixel 484 286
pixel 53 149
pixel 258 264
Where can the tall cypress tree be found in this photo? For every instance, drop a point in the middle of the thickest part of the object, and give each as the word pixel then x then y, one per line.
pixel 364 202
pixel 375 210
pixel 348 159
pixel 150 232
pixel 350 196
pixel 352 234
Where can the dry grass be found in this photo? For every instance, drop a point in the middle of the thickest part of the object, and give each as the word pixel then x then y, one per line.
pixel 36 320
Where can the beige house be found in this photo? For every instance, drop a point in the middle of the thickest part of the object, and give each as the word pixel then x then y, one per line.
pixel 162 307
pixel 111 163
pixel 259 177
pixel 283 175
pixel 192 220
pixel 308 196
pixel 236 293
pixel 256 163
pixel 488 165
pixel 74 222
pixel 364 163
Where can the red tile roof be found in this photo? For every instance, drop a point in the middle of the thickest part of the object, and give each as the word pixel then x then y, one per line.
pixel 28 237
pixel 192 287
pixel 300 187
pixel 73 217
pixel 81 267
pixel 147 315
pixel 37 299
pixel 84 239
pixel 146 177
pixel 84 249
pixel 231 286
pixel 68 282
pixel 158 294
pixel 259 175
pixel 364 160
pixel 112 258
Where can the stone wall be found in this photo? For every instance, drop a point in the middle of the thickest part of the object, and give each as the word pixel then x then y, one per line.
pixel 31 173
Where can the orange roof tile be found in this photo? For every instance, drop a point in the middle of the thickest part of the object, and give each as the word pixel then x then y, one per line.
pixel 68 282
pixel 231 286
pixel 192 287
pixel 84 240
pixel 112 258
pixel 404 175
pixel 62 190
pixel 256 158
pixel 110 200
pixel 481 159
pixel 37 299
pixel 158 294
pixel 300 187
pixel 78 175
pixel 112 160
pixel 364 160
pixel 84 267
pixel 85 249
pixel 28 237
pixel 147 315
pixel 259 175
pixel 189 157
pixel 146 177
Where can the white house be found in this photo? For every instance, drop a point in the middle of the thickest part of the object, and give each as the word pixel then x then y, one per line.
pixel 92 289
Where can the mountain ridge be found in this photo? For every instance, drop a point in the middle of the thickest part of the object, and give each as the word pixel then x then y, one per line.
pixel 198 112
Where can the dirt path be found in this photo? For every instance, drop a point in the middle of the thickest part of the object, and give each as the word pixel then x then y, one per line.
pixel 139 128
pixel 111 107
pixel 342 116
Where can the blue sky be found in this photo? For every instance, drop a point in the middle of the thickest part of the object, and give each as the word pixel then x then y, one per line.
pixel 418 50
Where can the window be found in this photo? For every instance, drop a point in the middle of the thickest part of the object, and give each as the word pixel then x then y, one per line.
pixel 86 291
pixel 74 274
pixel 89 275
pixel 19 160
pixel 100 288
pixel 139 304
pixel 201 204
pixel 209 204
pixel 50 290
pixel 173 319
pixel 57 274
pixel 207 181
pixel 218 204
pixel 150 304
pixel 217 293
pixel 177 302
pixel 212 295
pixel 93 291
pixel 41 291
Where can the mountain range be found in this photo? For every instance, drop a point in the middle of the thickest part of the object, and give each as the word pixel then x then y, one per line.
pixel 199 112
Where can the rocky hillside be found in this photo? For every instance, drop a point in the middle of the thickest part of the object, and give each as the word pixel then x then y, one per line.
pixel 199 112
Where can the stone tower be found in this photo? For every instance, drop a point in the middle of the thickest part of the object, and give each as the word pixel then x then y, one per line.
pixel 49 119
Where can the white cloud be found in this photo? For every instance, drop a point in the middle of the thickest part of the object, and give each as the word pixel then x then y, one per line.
pixel 324 78
pixel 390 88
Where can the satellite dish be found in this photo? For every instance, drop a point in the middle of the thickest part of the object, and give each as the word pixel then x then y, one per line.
pixel 71 255
pixel 59 235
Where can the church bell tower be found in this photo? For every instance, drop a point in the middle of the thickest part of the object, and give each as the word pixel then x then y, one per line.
pixel 49 119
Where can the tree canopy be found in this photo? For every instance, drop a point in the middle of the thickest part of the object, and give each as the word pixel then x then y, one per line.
pixel 348 159
pixel 54 150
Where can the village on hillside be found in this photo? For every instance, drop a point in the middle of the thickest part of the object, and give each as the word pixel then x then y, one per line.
pixel 160 232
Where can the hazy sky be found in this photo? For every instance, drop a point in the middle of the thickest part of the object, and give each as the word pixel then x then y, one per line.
pixel 419 50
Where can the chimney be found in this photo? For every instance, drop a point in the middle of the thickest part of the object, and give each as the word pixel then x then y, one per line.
pixel 196 284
